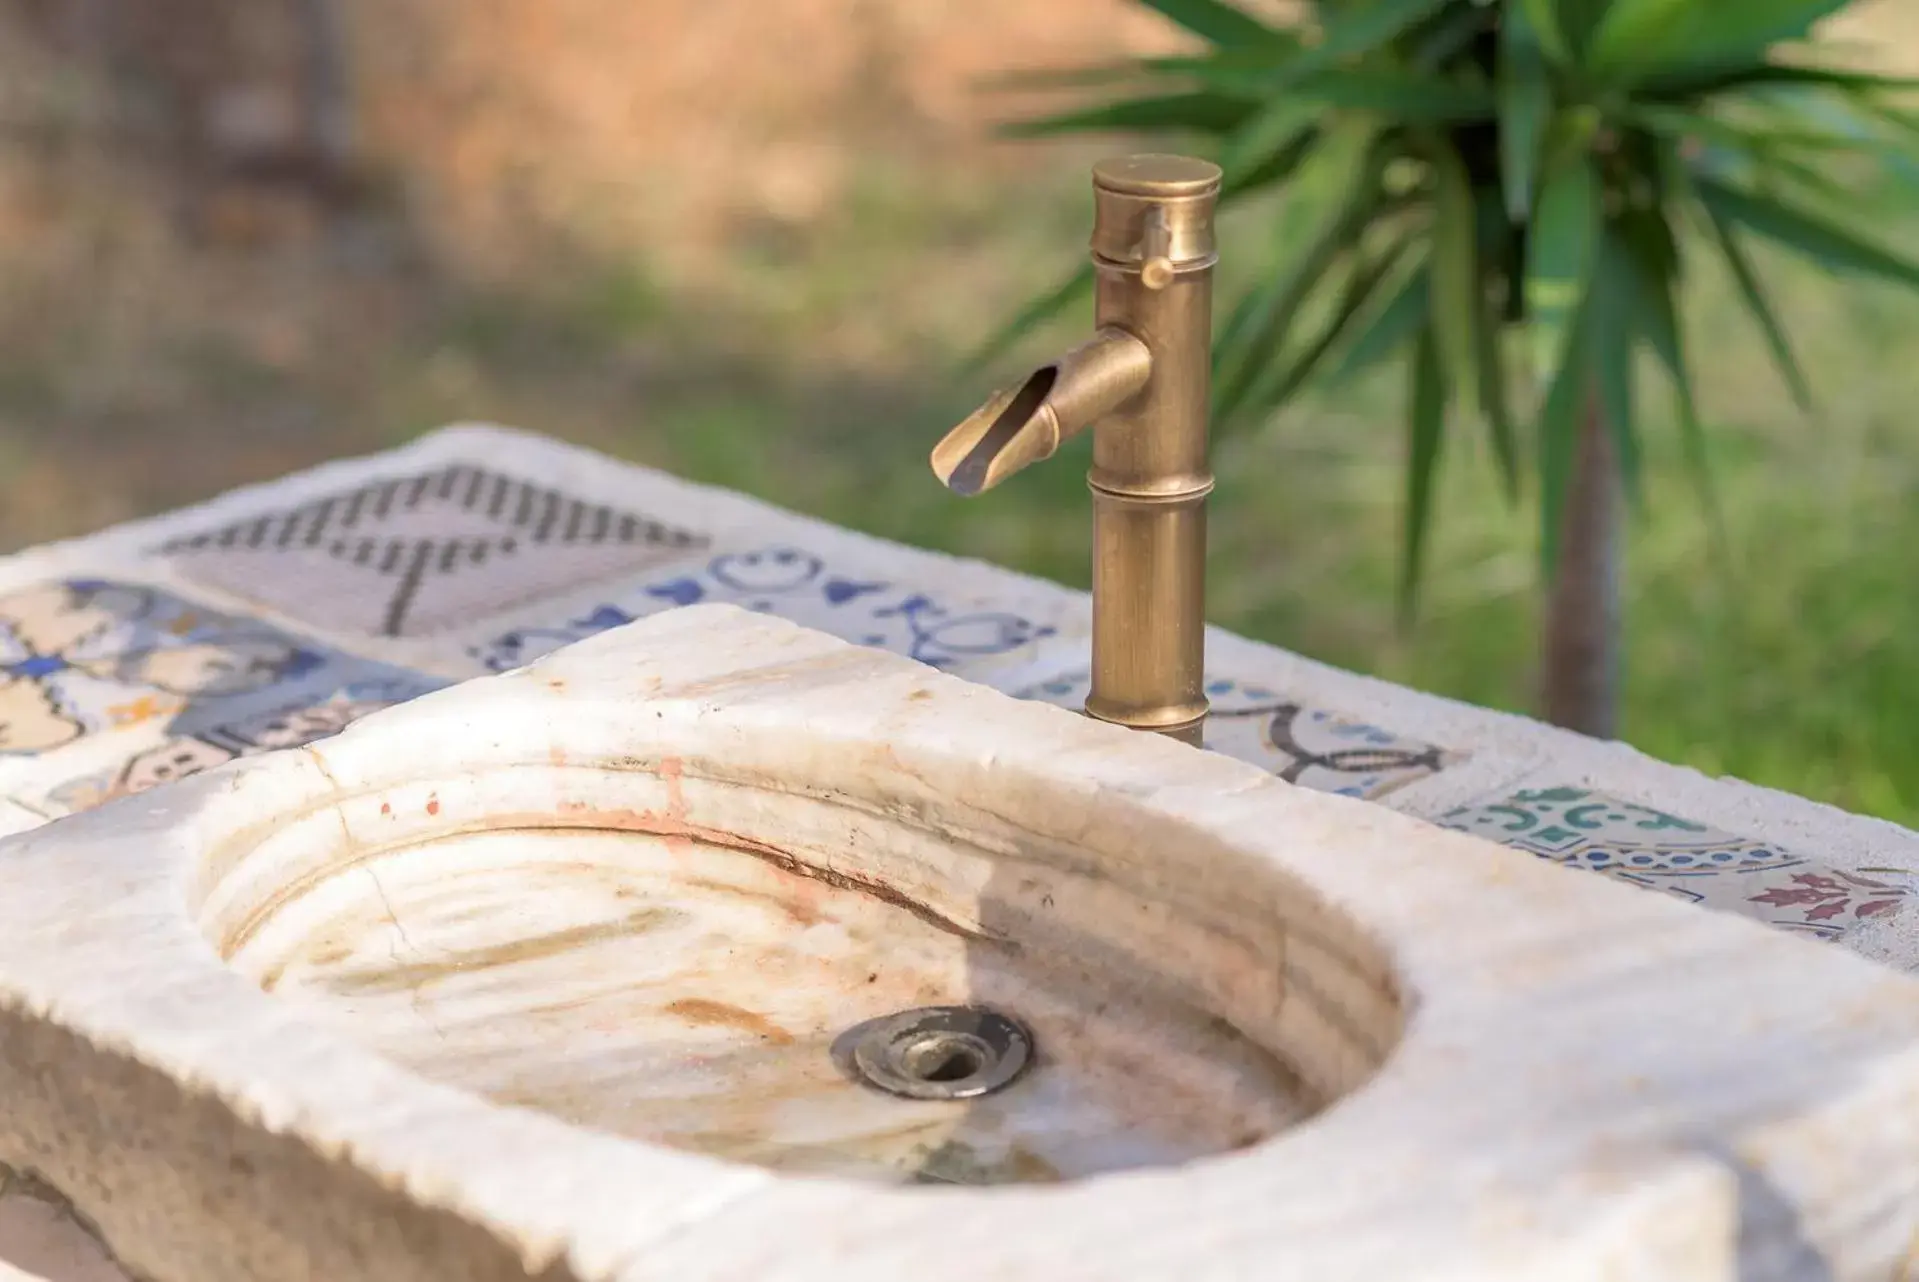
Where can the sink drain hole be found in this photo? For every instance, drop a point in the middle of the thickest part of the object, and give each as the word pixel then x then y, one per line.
pixel 936 1052
pixel 942 1058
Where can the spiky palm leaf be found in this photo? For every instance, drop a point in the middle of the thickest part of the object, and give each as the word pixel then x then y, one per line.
pixel 1534 165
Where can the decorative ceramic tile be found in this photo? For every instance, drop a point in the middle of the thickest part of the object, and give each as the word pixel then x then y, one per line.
pixel 804 587
pixel 1581 828
pixel 86 661
pixel 1811 899
pixel 300 721
pixel 416 555
pixel 1300 744
pixel 86 657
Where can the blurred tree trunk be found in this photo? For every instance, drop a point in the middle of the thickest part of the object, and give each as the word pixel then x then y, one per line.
pixel 328 82
pixel 1580 659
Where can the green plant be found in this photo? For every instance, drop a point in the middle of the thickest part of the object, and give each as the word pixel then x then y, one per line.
pixel 1519 187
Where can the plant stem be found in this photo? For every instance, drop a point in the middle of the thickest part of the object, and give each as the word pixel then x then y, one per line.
pixel 1579 671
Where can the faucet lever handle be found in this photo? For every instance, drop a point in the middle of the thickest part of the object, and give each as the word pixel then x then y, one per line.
pixel 1155 250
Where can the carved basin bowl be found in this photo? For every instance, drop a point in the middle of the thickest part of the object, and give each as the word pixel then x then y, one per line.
pixel 683 941
pixel 706 946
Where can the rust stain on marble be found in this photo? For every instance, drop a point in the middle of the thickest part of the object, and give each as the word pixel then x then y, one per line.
pixel 672 773
pixel 666 825
pixel 700 1010
pixel 395 977
pixel 803 912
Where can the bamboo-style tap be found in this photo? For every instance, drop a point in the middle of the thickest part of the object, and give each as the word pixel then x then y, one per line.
pixel 1143 383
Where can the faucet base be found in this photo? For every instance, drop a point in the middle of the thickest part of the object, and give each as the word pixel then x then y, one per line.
pixel 1190 732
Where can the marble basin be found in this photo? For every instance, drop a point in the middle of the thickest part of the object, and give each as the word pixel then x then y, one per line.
pixel 668 948
pixel 567 974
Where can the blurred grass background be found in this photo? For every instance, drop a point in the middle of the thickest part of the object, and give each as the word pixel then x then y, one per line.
pixel 747 242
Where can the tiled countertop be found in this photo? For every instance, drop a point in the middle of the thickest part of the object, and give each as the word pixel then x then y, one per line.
pixel 277 614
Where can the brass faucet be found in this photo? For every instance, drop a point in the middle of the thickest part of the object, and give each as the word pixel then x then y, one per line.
pixel 1143 383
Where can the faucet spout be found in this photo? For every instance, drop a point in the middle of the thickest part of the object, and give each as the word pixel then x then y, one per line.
pixel 1022 425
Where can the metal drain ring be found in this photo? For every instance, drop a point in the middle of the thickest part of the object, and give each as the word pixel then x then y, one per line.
pixel 936 1052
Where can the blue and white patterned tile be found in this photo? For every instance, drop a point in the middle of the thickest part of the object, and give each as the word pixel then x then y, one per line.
pixel 1302 744
pixel 957 629
pixel 98 675
pixel 1598 832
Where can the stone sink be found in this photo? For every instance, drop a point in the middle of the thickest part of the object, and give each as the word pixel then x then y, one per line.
pixel 715 948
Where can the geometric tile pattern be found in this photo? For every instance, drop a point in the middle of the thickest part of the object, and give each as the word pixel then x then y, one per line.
pixel 1581 828
pixel 1309 746
pixel 411 556
pixel 802 586
pixel 89 662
